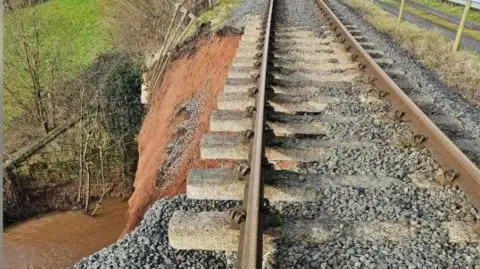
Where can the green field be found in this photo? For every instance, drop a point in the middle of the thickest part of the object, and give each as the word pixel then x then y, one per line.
pixel 450 8
pixel 437 20
pixel 71 29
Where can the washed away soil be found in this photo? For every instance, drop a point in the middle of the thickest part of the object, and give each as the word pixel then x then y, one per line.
pixel 179 113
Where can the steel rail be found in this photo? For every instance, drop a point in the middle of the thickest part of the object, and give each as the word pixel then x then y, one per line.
pixel 251 231
pixel 460 169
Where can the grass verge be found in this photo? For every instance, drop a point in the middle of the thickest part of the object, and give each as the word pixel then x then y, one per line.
pixel 217 16
pixel 432 18
pixel 459 70
pixel 450 8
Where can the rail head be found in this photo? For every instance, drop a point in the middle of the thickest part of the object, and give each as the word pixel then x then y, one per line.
pixel 459 168
pixel 251 231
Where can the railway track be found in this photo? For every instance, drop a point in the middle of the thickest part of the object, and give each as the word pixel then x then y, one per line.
pixel 327 153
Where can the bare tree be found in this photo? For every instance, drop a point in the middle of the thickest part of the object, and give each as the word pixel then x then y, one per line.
pixel 30 70
pixel 87 186
pixel 141 26
pixel 102 175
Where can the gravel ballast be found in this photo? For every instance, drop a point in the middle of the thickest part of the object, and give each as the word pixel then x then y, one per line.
pixel 425 81
pixel 147 245
pixel 241 14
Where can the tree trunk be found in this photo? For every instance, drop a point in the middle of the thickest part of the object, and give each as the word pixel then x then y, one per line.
pixel 80 185
pixel 103 182
pixel 51 107
pixel 87 188
pixel 81 147
pixel 80 161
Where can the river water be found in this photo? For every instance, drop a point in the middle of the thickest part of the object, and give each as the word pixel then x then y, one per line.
pixel 59 240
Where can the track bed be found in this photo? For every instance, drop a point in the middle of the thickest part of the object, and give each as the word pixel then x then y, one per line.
pixel 349 184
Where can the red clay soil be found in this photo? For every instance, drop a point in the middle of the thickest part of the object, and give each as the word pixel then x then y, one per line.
pixel 201 72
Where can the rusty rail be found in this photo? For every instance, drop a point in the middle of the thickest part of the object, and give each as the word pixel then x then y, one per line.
pixel 459 169
pixel 251 231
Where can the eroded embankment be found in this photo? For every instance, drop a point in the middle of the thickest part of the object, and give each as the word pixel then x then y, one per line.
pixel 179 113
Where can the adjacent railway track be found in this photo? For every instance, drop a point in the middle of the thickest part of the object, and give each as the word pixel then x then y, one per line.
pixel 297 104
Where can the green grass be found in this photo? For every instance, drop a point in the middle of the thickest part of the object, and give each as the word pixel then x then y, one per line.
pixel 450 8
pixel 429 17
pixel 71 28
pixel 218 15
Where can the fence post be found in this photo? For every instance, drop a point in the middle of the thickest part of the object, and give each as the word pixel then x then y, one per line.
pixel 400 12
pixel 458 38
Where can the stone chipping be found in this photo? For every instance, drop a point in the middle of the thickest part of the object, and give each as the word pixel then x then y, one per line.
pixel 425 81
pixel 147 245
pixel 183 132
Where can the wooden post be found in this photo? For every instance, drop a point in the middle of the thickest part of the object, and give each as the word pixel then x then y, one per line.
pixel 165 41
pixel 400 13
pixel 456 44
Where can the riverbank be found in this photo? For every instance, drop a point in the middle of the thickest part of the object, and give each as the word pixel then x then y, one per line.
pixel 59 240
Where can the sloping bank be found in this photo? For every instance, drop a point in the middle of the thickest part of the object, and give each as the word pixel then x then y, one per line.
pixel 179 113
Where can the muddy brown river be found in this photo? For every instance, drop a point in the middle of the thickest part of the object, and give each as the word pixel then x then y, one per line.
pixel 59 240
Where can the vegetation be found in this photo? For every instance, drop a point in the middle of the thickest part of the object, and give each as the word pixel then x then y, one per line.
pixel 429 17
pixel 139 27
pixel 109 95
pixel 123 112
pixel 459 70
pixel 58 39
pixel 450 8
pixel 217 15
pixel 17 4
pixel 58 71
pixel 100 146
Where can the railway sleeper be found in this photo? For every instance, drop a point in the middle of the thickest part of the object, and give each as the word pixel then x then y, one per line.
pixel 280 123
pixel 295 60
pixel 233 147
pixel 384 62
pixel 307 45
pixel 280 185
pixel 297 72
pixel 280 102
pixel 210 230
pixel 234 86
